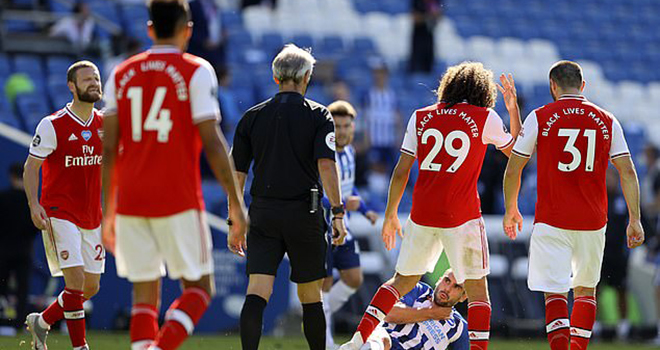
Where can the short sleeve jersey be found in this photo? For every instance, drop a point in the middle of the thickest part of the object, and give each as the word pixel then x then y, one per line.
pixel 574 140
pixel 451 333
pixel 71 172
pixel 284 136
pixel 450 145
pixel 159 97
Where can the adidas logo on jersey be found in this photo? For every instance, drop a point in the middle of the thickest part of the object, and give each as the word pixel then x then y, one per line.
pixel 72 137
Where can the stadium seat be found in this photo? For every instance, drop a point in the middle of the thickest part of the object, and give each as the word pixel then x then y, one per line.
pixel 18 25
pixel 5 68
pixel 305 41
pixel 29 64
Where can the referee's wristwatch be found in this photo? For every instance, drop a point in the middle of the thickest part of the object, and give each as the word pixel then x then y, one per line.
pixel 338 210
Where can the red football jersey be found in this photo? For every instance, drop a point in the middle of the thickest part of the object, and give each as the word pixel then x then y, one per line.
pixel 71 172
pixel 159 96
pixel 575 139
pixel 450 145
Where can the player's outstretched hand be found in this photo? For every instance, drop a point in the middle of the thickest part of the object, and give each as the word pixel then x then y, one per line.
pixel 237 239
pixel 512 223
pixel 372 216
pixel 635 233
pixel 437 312
pixel 108 234
pixel 508 90
pixel 39 216
pixel 391 227
pixel 338 231
pixel 353 203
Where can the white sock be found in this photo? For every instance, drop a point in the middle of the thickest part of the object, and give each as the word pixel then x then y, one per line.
pixel 329 340
pixel 338 295
pixel 42 322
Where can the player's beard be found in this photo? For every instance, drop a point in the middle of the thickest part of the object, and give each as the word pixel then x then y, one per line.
pixel 86 96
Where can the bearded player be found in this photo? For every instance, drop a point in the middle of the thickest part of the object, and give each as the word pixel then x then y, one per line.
pixel 449 139
pixel 67 145
pixel 419 320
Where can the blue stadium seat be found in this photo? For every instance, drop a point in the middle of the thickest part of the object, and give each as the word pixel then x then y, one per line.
pixel 29 64
pixel 231 20
pixel 105 9
pixel 331 47
pixel 239 39
pixel 59 7
pixel 317 93
pixel 58 64
pixel 5 68
pixel 364 6
pixel 304 41
pixel 394 7
pixel 364 45
pixel 19 25
pixel 244 97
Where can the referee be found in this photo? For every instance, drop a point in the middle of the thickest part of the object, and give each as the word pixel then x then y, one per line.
pixel 291 141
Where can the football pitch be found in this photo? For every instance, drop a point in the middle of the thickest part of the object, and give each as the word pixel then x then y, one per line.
pixel 115 341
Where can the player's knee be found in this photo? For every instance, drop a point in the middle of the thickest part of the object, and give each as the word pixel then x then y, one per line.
pixel 477 290
pixel 584 292
pixel 404 284
pixel 354 281
pixel 90 290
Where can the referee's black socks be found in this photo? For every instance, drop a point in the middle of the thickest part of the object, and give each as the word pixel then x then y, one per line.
pixel 252 317
pixel 314 325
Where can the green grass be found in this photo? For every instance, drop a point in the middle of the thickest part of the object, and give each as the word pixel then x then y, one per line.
pixel 114 341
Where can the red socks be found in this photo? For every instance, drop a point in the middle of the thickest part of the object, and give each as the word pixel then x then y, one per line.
pixel 479 324
pixel 381 304
pixel 582 321
pixel 181 318
pixel 55 311
pixel 556 322
pixel 74 315
pixel 144 325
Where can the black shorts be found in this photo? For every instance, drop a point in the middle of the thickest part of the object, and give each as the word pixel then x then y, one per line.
pixel 278 227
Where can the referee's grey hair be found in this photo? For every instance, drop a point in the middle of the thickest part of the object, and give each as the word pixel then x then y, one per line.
pixel 292 63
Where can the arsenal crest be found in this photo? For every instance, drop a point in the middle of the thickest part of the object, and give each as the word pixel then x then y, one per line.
pixel 64 254
pixel 100 132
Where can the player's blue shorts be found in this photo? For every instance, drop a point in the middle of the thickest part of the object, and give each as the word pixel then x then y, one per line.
pixel 343 257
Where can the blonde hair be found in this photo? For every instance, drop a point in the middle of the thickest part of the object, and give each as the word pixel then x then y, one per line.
pixel 342 108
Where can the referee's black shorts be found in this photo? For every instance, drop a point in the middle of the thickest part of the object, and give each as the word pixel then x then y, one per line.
pixel 278 227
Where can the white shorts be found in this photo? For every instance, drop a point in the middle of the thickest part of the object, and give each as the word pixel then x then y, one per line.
pixel 71 246
pixel 466 247
pixel 145 246
pixel 555 254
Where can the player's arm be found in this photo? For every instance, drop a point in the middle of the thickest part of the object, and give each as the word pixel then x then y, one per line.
pixel 330 180
pixel 371 215
pixel 392 226
pixel 630 187
pixel 510 96
pixel 402 314
pixel 620 157
pixel 512 218
pixel 31 184
pixel 110 147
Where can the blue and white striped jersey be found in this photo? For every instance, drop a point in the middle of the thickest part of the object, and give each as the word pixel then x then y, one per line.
pixel 346 162
pixel 451 334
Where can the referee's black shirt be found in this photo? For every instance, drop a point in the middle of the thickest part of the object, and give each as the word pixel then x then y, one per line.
pixel 285 136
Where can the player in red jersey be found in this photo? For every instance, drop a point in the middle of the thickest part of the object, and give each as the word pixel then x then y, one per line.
pixel 449 139
pixel 575 140
pixel 162 109
pixel 67 144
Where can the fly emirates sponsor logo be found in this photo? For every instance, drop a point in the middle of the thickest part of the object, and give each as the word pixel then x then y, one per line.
pixel 88 158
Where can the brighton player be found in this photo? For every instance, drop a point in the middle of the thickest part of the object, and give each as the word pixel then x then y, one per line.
pixel 162 109
pixel 419 320
pixel 68 146
pixel 346 257
pixel 450 140
pixel 574 140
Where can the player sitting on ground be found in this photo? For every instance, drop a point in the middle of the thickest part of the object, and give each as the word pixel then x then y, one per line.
pixel 418 320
